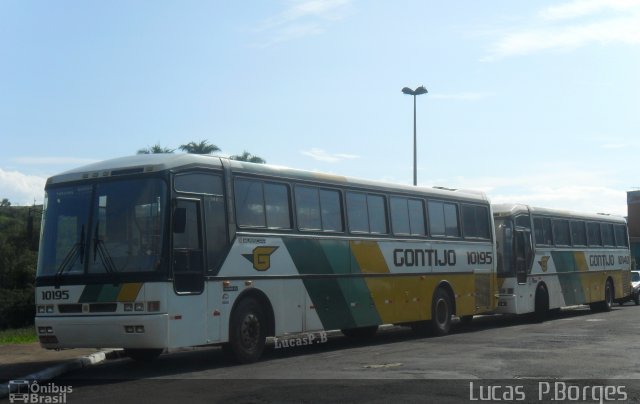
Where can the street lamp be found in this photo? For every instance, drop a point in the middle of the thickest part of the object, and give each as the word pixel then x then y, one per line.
pixel 417 91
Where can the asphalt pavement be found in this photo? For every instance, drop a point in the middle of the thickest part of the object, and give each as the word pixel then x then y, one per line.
pixel 32 362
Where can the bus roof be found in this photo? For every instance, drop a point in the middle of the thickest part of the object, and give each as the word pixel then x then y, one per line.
pixel 510 209
pixel 151 163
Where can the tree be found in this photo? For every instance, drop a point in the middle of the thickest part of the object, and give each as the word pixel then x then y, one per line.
pixel 155 149
pixel 5 203
pixel 246 156
pixel 203 147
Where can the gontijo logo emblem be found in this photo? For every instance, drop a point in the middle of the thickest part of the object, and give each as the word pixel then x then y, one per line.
pixel 261 257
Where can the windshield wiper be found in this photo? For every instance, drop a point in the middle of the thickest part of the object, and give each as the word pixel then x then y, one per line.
pixel 70 259
pixel 100 251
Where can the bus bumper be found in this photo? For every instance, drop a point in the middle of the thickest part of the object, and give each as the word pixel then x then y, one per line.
pixel 141 331
pixel 507 304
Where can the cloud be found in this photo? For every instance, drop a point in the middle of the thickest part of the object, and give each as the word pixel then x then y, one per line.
pixel 570 26
pixel 302 18
pixel 321 155
pixel 556 186
pixel 582 8
pixel 21 189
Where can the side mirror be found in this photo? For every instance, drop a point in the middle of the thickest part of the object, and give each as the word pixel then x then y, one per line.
pixel 179 220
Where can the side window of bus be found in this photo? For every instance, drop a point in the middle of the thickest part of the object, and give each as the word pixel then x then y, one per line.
pixel 262 205
pixel 475 221
pixel 318 209
pixel 276 200
pixel 366 213
pixel 607 234
pixel 579 233
pixel 523 221
pixel 331 210
pixel 407 216
pixel 443 219
pixel 561 232
pixel 593 231
pixel 542 229
pixel 215 216
pixel 621 235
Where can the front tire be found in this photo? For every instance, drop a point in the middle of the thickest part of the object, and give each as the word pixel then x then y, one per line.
pixel 441 312
pixel 247 331
pixel 541 304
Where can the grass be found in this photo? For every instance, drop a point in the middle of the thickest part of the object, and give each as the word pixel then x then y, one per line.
pixel 25 335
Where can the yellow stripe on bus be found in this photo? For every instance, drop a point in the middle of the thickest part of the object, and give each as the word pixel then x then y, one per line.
pixel 129 292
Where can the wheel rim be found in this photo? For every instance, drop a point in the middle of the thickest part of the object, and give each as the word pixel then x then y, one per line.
pixel 442 312
pixel 250 331
pixel 607 295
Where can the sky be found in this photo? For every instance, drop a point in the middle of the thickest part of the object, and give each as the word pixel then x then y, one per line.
pixel 534 102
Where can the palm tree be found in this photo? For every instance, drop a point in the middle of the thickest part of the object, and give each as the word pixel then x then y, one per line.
pixel 155 149
pixel 246 156
pixel 204 147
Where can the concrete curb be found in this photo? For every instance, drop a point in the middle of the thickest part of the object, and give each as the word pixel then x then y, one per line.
pixel 66 366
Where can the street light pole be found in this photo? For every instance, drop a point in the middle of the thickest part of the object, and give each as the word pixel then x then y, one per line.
pixel 414 93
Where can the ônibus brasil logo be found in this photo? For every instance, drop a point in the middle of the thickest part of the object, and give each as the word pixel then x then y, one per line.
pixel 26 391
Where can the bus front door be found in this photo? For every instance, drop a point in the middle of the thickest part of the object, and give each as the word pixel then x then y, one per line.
pixel 523 254
pixel 187 305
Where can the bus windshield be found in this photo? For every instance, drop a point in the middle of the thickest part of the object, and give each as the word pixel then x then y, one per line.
pixel 108 227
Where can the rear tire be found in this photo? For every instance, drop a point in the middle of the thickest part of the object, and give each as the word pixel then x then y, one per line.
pixel 607 303
pixel 361 332
pixel 541 304
pixel 143 355
pixel 247 331
pixel 441 312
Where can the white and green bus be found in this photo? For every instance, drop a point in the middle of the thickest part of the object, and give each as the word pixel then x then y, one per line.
pixel 548 259
pixel 154 252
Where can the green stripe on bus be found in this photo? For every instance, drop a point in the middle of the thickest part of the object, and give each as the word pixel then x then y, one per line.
pixel 348 298
pixel 90 294
pixel 109 293
pixel 326 294
pixel 569 277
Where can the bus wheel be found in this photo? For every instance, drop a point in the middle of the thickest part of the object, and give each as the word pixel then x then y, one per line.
pixel 441 311
pixel 247 330
pixel 361 332
pixel 607 303
pixel 541 304
pixel 142 355
pixel 636 298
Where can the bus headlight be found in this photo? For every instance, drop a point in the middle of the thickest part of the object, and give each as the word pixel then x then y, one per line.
pixel 139 306
pixel 128 307
pixel 153 306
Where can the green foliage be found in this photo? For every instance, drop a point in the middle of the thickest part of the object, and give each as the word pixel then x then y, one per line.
pixel 18 260
pixel 24 335
pixel 246 156
pixel 155 149
pixel 202 147
pixel 17 307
